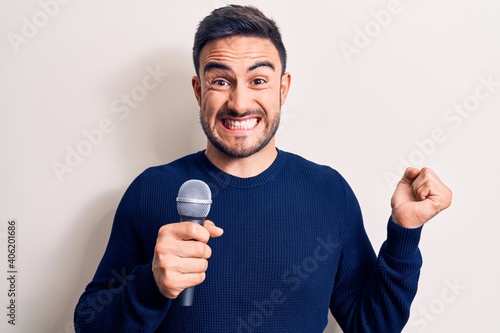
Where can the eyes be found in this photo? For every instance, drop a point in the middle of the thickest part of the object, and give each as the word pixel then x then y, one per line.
pixel 221 83
pixel 259 81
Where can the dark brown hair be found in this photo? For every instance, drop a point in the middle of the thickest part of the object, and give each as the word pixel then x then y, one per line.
pixel 236 20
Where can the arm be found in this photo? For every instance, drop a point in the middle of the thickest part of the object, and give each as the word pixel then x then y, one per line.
pixel 136 280
pixel 374 294
pixel 123 295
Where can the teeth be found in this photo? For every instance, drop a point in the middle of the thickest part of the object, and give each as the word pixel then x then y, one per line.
pixel 241 125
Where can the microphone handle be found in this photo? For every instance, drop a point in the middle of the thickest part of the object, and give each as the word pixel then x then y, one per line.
pixel 186 296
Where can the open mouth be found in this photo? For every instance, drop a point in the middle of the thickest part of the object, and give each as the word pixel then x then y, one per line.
pixel 235 125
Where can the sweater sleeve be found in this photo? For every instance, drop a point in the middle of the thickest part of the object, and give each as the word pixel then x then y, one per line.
pixel 374 294
pixel 122 296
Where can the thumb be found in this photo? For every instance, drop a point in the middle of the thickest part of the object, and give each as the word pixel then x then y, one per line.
pixel 410 175
pixel 213 229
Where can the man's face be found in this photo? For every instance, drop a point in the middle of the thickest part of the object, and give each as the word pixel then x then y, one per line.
pixel 240 92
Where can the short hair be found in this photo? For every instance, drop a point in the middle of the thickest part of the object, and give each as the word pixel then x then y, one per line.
pixel 236 20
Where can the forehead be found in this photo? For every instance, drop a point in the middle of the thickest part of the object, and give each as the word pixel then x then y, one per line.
pixel 240 51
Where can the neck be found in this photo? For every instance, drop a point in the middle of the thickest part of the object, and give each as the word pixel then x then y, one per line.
pixel 245 167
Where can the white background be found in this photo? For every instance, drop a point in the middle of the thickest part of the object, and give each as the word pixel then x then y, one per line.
pixel 361 113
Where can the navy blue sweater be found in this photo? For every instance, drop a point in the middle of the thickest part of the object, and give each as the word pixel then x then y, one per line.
pixel 293 248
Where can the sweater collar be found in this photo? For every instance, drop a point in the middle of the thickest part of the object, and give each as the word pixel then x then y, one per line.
pixel 238 182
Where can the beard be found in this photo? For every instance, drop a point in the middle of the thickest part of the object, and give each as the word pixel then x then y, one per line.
pixel 242 148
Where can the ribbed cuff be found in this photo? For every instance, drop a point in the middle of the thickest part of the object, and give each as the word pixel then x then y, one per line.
pixel 402 243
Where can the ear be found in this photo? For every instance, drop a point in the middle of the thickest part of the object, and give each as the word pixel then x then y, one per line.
pixel 195 82
pixel 286 80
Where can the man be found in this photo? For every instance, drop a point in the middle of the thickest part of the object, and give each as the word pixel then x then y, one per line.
pixel 294 245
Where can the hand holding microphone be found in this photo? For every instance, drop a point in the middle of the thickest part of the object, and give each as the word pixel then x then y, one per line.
pixel 181 251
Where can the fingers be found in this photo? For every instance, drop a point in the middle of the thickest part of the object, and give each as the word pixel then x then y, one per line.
pixel 180 256
pixel 427 185
pixel 171 283
pixel 423 183
pixel 177 239
pixel 192 231
pixel 174 273
pixel 187 231
pixel 175 285
pixel 419 196
pixel 213 229
pixel 179 270
pixel 184 248
pixel 410 175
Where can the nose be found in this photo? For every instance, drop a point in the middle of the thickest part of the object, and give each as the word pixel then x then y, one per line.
pixel 240 99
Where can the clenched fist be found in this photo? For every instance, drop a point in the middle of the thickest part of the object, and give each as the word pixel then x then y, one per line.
pixel 419 196
pixel 180 257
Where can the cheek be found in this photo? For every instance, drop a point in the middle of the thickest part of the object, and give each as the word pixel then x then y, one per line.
pixel 270 100
pixel 210 104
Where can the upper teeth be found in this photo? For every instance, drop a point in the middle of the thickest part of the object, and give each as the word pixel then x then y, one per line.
pixel 245 124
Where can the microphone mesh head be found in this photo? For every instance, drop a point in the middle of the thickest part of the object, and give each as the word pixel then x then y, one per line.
pixel 194 199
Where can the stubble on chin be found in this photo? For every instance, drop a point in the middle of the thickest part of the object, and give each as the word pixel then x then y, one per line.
pixel 242 148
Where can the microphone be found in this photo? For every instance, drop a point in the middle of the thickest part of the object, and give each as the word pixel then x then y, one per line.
pixel 193 204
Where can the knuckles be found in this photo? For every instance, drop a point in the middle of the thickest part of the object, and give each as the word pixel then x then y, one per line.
pixel 180 257
pixel 184 230
pixel 168 283
pixel 203 250
pixel 195 231
pixel 196 279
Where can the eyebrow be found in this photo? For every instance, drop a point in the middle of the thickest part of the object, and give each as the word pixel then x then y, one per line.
pixel 217 65
pixel 261 64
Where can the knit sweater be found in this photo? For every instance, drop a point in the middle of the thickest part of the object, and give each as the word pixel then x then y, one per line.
pixel 293 248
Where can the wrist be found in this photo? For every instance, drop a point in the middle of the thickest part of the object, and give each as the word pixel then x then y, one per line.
pixel 402 242
pixel 405 222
